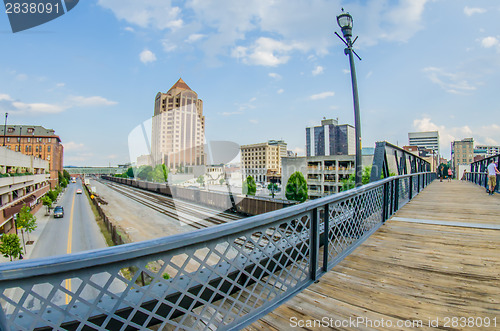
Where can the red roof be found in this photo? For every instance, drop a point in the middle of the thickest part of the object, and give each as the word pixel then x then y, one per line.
pixel 180 85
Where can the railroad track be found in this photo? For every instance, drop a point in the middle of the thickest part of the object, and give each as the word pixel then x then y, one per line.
pixel 194 215
pixel 184 212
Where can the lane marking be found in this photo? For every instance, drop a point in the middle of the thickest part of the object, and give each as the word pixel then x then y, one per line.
pixel 68 250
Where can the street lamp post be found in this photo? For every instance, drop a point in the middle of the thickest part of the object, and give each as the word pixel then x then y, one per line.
pixel 344 21
pixel 5 128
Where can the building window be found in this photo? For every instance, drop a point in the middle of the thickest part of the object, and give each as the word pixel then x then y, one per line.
pixel 29 139
pixel 10 130
pixel 8 140
pixel 48 149
pixel 26 149
pixel 30 130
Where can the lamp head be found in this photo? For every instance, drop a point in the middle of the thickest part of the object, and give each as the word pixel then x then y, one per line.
pixel 344 21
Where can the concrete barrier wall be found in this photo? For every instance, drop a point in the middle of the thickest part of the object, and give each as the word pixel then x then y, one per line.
pixel 216 200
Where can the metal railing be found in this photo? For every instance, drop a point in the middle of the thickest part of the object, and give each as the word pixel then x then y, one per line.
pixel 478 172
pixel 222 277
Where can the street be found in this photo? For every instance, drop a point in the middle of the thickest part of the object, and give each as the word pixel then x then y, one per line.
pixel 77 231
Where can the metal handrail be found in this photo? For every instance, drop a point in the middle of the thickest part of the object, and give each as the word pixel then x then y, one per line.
pixel 296 231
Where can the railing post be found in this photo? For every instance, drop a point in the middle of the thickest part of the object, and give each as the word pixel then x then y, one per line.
pixel 410 190
pixel 3 320
pixel 314 242
pixel 396 195
pixel 326 236
pixel 385 206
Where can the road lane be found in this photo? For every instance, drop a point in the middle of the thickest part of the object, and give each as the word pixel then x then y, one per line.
pixel 77 231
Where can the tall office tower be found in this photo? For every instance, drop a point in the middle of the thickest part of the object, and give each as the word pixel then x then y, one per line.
pixel 462 153
pixel 428 139
pixel 330 139
pixel 178 131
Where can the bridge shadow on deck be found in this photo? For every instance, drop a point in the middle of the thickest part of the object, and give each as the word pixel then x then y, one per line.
pixel 437 258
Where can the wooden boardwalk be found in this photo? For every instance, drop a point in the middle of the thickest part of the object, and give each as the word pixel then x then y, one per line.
pixel 436 262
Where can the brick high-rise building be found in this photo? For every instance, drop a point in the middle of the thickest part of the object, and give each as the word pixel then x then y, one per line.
pixel 36 141
pixel 178 131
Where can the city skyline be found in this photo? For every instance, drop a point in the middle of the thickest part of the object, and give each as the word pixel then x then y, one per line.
pixel 264 70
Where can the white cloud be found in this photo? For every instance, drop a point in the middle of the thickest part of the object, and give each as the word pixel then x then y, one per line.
pixel 318 70
pixel 95 101
pixel 72 146
pixel 231 113
pixel 266 52
pixel 37 108
pixel 280 91
pixel 129 29
pixel 157 14
pixel 489 134
pixel 451 82
pixel 8 104
pixel 228 28
pixel 147 56
pixel 322 95
pixel 275 75
pixel 168 46
pixel 488 42
pixel 194 38
pixel 471 11
pixel 254 121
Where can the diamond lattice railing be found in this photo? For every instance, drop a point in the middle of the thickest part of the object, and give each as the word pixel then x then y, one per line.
pixel 219 277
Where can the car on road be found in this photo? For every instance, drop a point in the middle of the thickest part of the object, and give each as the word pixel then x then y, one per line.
pixel 79 191
pixel 58 212
pixel 73 180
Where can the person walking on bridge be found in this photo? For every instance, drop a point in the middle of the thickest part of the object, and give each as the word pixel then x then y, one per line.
pixel 492 176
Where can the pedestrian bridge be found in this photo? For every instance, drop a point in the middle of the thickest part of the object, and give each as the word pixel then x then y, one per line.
pixel 357 253
pixel 434 264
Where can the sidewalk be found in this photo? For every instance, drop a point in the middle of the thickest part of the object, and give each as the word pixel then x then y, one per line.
pixel 41 222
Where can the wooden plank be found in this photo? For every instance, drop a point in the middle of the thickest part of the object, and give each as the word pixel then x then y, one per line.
pixel 412 271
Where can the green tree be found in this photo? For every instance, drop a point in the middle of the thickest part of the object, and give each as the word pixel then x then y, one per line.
pixel 130 172
pixel 201 180
pixel 249 186
pixel 10 246
pixel 165 172
pixel 273 188
pixel 145 173
pixel 62 181
pixel 47 202
pixel 160 173
pixel 296 188
pixel 52 194
pixel 221 181
pixel 26 221
pixel 349 183
pixel 66 175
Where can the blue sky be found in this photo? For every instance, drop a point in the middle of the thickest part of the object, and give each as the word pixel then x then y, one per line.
pixel 264 69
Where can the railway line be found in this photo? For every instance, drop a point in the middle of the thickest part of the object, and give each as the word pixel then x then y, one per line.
pixel 187 213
